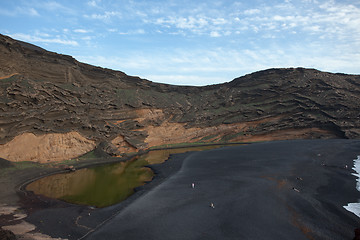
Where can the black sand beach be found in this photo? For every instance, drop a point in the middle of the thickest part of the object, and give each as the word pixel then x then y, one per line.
pixel 273 190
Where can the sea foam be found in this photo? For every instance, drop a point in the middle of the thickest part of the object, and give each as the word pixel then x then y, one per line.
pixel 355 207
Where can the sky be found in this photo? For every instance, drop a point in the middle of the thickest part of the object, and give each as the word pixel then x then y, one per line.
pixel 188 42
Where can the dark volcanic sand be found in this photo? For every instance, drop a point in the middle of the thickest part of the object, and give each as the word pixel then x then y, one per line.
pixel 252 190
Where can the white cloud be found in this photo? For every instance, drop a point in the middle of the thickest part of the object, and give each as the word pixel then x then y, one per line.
pixel 312 29
pixel 139 31
pixel 196 24
pixel 52 5
pixel 184 80
pixel 106 16
pixel 19 11
pixel 215 34
pixel 33 12
pixel 87 38
pixel 183 22
pixel 132 32
pixel 281 18
pixel 55 6
pixel 127 63
pixel 322 18
pixel 82 30
pixel 322 34
pixel 41 34
pixel 32 8
pixel 35 39
pixel 93 3
pixel 219 21
pixel 204 66
pixel 252 11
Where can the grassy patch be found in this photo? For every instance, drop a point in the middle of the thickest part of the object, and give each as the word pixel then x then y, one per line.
pixel 20 166
pixel 68 162
pixel 26 164
pixel 231 136
pixel 88 155
pixel 174 145
pixel 10 79
pixel 208 137
pixel 189 144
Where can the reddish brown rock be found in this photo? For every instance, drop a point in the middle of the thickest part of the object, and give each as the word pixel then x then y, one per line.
pixel 45 93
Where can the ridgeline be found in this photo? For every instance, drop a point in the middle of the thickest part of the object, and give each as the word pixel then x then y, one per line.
pixel 55 108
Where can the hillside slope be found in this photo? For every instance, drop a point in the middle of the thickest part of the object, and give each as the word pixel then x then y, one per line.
pixel 56 108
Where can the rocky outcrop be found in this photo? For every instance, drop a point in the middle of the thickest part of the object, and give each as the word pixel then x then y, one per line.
pixel 7 235
pixel 46 93
pixel 45 148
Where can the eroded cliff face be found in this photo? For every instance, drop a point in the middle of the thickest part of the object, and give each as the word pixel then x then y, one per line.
pixel 45 148
pixel 45 93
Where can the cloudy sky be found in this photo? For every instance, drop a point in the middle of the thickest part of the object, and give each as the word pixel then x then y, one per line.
pixel 187 42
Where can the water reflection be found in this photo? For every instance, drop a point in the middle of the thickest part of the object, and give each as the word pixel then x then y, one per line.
pixel 97 186
pixel 104 185
pixel 160 156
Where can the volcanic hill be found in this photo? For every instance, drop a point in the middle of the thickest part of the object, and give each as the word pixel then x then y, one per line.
pixel 53 107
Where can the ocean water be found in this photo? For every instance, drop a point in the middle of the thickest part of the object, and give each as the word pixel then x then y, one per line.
pixel 355 207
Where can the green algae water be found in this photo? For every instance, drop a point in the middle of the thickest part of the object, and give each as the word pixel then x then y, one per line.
pixel 104 185
pixel 98 186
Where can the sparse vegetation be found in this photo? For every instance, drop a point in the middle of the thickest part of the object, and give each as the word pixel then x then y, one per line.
pixel 10 79
pixel 26 164
pixel 283 98
pixel 177 145
pixel 208 137
pixel 229 137
pixel 88 155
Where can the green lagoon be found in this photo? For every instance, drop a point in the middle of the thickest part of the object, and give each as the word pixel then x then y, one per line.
pixel 108 184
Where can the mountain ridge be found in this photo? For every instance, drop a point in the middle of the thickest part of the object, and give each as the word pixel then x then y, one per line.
pixel 45 93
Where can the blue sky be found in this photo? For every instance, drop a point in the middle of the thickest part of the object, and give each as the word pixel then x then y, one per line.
pixel 187 42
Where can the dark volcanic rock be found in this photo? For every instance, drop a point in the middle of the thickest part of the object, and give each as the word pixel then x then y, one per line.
pixel 357 234
pixel 7 235
pixel 43 92
pixel 108 148
pixel 5 164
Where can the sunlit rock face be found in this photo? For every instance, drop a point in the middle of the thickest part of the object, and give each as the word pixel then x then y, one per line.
pixel 45 93
pixel 46 147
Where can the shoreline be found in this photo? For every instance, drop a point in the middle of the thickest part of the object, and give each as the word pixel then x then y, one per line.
pixel 89 219
pixel 108 160
pixel 354 207
pixel 274 190
pixel 64 220
pixel 17 198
